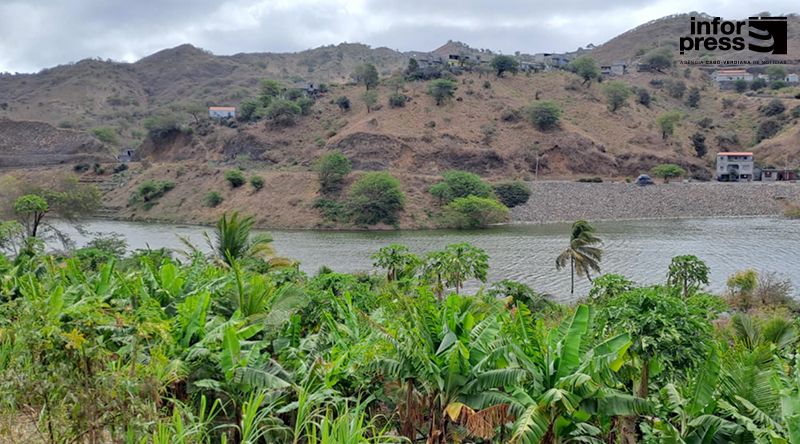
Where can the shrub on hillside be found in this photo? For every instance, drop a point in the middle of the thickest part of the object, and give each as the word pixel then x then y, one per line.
pixel 773 108
pixel 693 100
pixel 257 182
pixel 332 210
pixel 512 194
pixel 150 190
pixel 643 97
pixel 457 184
pixel 544 115
pixel 441 90
pixel 343 103
pixel 474 212
pixel 767 130
pixel 758 84
pixel 282 112
pixel 617 93
pixel 332 168
pixel 212 199
pixel 374 198
pixel 235 178
pixel 397 100
pixel 106 135
pixel 667 171
pixel 162 124
pixel 510 115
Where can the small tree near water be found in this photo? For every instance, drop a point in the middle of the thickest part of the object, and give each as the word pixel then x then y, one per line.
pixel 668 171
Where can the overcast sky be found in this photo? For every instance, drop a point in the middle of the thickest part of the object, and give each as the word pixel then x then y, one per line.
pixel 40 33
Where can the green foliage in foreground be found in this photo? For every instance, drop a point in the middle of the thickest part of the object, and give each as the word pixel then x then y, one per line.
pixel 233 347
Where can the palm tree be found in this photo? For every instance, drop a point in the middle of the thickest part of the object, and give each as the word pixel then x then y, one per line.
pixel 233 240
pixel 581 254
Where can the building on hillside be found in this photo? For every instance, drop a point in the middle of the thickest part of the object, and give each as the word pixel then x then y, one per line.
pixel 734 167
pixel 221 112
pixel 731 75
pixel 551 60
pixel 126 155
pixel 615 69
pixel 777 174
pixel 792 78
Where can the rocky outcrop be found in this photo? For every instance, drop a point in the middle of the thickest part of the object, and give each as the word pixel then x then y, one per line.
pixel 28 143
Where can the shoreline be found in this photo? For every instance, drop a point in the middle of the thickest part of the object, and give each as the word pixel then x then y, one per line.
pixel 556 202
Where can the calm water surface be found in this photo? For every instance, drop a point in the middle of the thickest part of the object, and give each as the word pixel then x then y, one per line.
pixel 640 250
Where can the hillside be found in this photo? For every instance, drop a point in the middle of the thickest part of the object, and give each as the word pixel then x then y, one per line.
pixel 667 31
pixel 484 128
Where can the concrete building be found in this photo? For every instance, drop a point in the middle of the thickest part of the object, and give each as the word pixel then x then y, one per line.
pixel 792 78
pixel 777 174
pixel 615 69
pixel 734 167
pixel 221 112
pixel 731 75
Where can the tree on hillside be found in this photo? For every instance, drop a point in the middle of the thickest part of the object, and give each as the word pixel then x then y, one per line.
pixel 412 69
pixel 740 85
pixel 270 90
pixel 332 168
pixel 699 143
pixel 282 112
pixel 617 93
pixel 583 255
pixel 441 90
pixel 659 59
pixel 366 75
pixel 196 110
pixel 667 171
pixel 586 67
pixel 370 98
pixel 775 72
pixel 544 115
pixel 375 198
pixel 504 63
pixel 457 184
pixel 667 121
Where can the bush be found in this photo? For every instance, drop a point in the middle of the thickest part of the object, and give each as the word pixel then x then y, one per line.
pixel 590 179
pixel 767 130
pixel 667 171
pixel 150 190
pixel 778 84
pixel 699 143
pixel 305 104
pixel 374 198
pixel 106 135
pixel 510 115
pixel 503 63
pixel 705 122
pixel 796 112
pixel 250 110
pixel 773 108
pixel 586 67
pixel 740 85
pixel 160 125
pixel 212 199
pixel 282 112
pixel 257 182
pixel 397 100
pixel 474 212
pixel 235 178
pixel 512 194
pixel 658 59
pixel 758 84
pixel 617 93
pixel 676 88
pixel 441 90
pixel 120 168
pixel 667 121
pixel 343 103
pixel 332 168
pixel 81 167
pixel 332 210
pixel 457 184
pixel 643 97
pixel 544 115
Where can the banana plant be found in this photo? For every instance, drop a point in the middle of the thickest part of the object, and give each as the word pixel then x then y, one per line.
pixel 569 381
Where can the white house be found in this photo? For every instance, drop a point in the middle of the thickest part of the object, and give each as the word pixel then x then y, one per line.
pixel 731 75
pixel 734 167
pixel 221 112
pixel 792 78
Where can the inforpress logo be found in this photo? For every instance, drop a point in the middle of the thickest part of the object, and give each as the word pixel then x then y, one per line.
pixel 767 34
